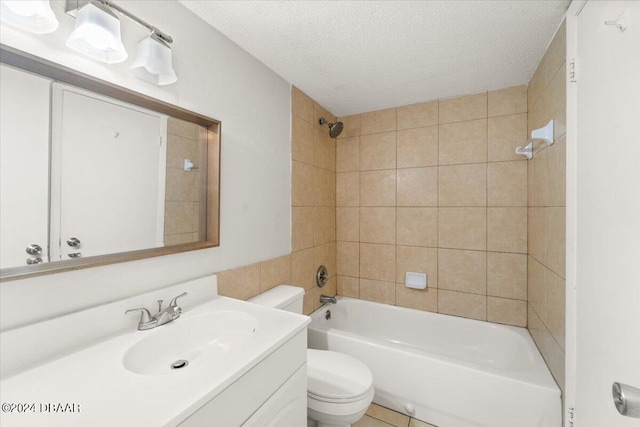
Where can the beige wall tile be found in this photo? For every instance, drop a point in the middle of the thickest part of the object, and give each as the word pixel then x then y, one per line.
pixel 302 184
pixel 394 418
pixel 555 315
pixel 556 173
pixel 325 187
pixel 240 283
pixel 303 269
pixel 178 239
pixel 378 151
pixel 178 217
pixel 537 288
pixel 324 226
pixel 378 262
pixel 537 234
pixel 301 140
pixel 507 230
pixel 417 226
pixel 507 311
pixel 180 186
pixel 463 271
pixel 557 51
pixel 348 189
pixel 417 260
pixel 418 299
pixel 461 304
pixel 301 105
pixel 180 148
pixel 326 255
pixel 536 327
pixel 462 228
pixel 512 100
pixel 417 187
pixel 274 272
pixel 417 147
pixel 351 126
pixel 536 180
pixel 462 108
pixel 378 188
pixel 555 240
pixel 462 185
pixel 324 150
pixel 505 134
pixel 349 286
pixel 557 102
pixel 537 83
pixel 302 220
pixel 348 224
pixel 348 154
pixel 418 115
pixel 378 291
pixel 378 225
pixel 464 142
pixel 182 128
pixel 378 121
pixel 507 275
pixel 348 256
pixel 308 302
pixel 507 183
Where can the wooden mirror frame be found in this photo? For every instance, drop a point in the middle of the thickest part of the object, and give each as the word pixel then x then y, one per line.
pixel 56 72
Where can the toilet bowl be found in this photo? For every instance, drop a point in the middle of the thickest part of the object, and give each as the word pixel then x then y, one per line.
pixel 339 386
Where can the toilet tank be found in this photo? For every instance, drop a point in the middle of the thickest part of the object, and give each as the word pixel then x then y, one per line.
pixel 283 297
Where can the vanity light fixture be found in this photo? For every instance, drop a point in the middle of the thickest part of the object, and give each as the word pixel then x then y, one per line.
pixel 97 34
pixel 153 61
pixel 34 16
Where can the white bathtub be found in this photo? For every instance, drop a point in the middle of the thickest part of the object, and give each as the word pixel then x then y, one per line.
pixel 444 370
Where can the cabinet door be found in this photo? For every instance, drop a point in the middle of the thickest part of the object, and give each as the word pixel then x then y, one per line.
pixel 287 407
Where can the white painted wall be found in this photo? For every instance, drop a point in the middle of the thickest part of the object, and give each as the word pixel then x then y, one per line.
pixel 218 79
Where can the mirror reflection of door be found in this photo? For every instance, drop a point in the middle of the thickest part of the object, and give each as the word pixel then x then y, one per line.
pixel 108 175
pixel 24 167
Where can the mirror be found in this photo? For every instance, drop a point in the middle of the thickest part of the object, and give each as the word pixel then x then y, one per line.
pixel 92 173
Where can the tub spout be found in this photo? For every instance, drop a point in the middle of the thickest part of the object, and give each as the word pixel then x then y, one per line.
pixel 325 299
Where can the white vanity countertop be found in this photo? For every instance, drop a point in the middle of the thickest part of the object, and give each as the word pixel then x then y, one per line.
pixel 96 389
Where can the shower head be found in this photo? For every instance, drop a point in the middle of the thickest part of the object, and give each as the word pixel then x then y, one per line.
pixel 334 128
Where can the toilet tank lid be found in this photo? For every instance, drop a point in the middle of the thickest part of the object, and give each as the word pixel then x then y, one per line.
pixel 278 297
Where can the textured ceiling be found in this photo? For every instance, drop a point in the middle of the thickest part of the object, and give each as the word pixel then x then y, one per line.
pixel 358 56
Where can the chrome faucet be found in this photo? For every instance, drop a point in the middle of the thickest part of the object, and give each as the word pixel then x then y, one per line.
pixel 169 314
pixel 325 299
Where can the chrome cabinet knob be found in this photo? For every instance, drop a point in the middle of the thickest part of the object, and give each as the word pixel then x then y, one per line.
pixel 34 249
pixel 74 242
pixel 75 255
pixel 627 399
pixel 34 261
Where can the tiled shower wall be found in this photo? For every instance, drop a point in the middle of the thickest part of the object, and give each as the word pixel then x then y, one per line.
pixel 182 191
pixel 436 188
pixel 547 178
pixel 313 214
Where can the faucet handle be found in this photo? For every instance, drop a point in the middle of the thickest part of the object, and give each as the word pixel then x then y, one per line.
pixel 174 302
pixel 145 316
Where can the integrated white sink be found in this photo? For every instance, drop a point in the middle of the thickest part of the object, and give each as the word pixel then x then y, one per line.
pixel 127 378
pixel 178 346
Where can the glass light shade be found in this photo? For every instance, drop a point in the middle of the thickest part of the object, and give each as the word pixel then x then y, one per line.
pixel 97 34
pixel 153 62
pixel 34 16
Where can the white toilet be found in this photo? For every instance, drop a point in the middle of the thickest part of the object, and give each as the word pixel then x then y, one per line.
pixel 339 387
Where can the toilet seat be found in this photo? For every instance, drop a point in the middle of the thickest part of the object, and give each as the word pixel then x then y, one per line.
pixel 337 378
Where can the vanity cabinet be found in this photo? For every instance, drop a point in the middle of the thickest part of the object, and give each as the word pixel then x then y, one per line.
pixel 273 393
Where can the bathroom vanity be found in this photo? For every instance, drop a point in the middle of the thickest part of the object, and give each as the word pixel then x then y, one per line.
pixel 223 363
